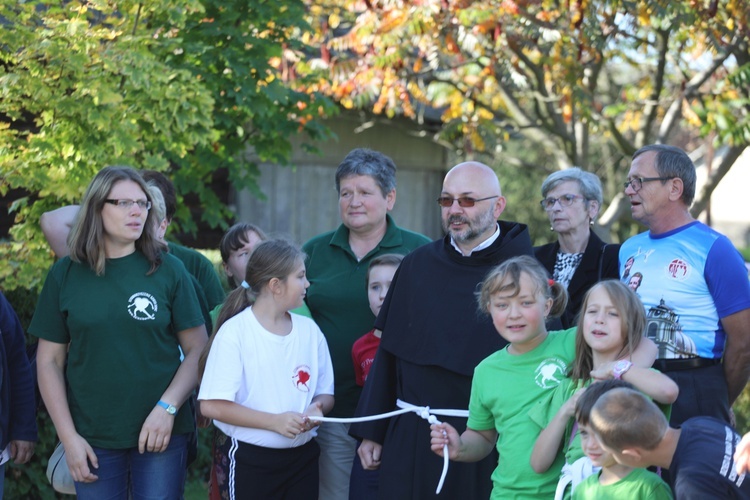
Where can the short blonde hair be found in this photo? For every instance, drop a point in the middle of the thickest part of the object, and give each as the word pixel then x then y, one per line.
pixel 625 418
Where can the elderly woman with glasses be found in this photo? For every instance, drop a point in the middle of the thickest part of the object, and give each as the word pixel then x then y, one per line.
pixel 572 199
pixel 111 320
pixel 337 264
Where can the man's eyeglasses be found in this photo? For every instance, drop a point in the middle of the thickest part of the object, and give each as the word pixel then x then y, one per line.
pixel 637 182
pixel 463 201
pixel 128 204
pixel 565 200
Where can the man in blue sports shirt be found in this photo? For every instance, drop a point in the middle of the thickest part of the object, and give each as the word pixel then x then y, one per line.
pixel 694 286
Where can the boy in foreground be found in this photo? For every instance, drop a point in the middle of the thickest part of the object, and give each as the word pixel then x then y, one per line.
pixel 614 480
pixel 699 455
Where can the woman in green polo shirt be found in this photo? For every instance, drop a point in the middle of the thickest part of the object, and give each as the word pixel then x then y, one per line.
pixel 110 319
pixel 337 264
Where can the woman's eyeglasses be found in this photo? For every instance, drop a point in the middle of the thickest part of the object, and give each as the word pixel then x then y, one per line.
pixel 463 201
pixel 128 204
pixel 565 200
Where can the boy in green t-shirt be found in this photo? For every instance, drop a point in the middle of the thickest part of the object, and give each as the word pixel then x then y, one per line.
pixel 614 481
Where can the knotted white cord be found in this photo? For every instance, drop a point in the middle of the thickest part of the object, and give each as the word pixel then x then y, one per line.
pixel 425 412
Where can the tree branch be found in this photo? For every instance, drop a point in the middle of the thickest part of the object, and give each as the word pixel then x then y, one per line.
pixel 674 113
pixel 614 212
pixel 727 160
pixel 546 100
pixel 652 104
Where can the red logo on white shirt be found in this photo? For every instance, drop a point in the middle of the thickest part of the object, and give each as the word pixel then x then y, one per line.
pixel 301 377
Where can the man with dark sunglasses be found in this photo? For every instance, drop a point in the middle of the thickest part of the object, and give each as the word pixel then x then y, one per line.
pixel 433 337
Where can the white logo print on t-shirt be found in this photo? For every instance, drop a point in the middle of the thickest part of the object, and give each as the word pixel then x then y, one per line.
pixel 549 373
pixel 142 306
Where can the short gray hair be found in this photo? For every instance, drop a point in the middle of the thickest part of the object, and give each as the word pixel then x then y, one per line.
pixel 591 186
pixel 671 161
pixel 363 161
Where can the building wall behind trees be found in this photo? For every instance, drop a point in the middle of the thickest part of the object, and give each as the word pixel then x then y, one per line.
pixel 301 200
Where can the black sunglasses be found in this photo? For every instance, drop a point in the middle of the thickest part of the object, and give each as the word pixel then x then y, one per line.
pixel 463 201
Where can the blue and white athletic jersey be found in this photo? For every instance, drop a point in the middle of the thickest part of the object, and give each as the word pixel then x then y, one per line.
pixel 688 279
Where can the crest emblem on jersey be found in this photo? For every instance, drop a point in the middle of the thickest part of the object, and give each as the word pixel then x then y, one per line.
pixel 142 306
pixel 302 377
pixel 550 373
pixel 678 269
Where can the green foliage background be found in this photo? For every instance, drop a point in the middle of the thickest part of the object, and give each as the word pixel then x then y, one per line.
pixel 184 86
pixel 188 87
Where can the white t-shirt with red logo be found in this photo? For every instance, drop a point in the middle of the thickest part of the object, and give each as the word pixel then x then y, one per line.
pixel 688 279
pixel 257 369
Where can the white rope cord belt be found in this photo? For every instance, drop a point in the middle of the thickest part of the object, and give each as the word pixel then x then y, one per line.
pixel 425 412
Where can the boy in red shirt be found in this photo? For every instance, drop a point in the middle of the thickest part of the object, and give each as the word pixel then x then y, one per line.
pixel 363 484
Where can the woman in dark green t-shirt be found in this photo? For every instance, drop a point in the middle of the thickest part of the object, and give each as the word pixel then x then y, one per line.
pixel 111 320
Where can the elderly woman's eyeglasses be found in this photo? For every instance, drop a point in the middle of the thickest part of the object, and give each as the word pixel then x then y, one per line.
pixel 128 204
pixel 463 201
pixel 637 182
pixel 565 200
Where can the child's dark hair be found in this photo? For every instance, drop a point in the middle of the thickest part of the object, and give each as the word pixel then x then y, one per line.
pixel 632 322
pixel 507 277
pixel 592 394
pixel 387 259
pixel 270 259
pixel 236 237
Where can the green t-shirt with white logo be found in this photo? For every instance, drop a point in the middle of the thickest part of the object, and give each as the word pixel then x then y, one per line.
pixel 640 483
pixel 123 351
pixel 505 387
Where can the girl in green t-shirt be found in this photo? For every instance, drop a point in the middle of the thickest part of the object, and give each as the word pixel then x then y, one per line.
pixel 519 297
pixel 610 329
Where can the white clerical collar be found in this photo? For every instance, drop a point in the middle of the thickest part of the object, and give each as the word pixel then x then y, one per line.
pixel 486 243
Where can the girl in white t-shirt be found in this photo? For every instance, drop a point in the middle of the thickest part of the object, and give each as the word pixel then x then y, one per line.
pixel 265 371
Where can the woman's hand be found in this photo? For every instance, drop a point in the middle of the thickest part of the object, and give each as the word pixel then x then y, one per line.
pixel 289 424
pixel 156 431
pixel 78 454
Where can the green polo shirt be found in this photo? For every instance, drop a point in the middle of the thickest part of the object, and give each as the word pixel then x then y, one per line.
pixel 337 298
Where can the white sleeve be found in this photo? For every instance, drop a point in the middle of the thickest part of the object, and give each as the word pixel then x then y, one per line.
pixel 222 377
pixel 325 367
